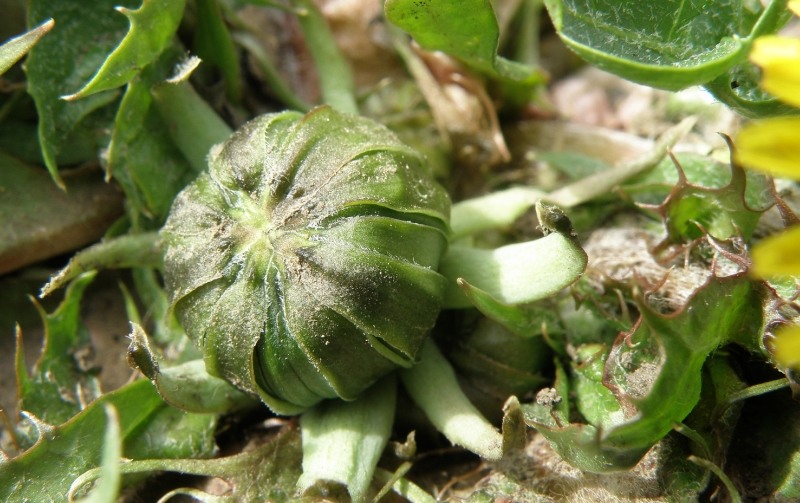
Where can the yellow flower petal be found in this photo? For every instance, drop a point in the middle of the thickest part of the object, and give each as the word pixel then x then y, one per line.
pixel 771 145
pixel 794 6
pixel 778 255
pixel 779 59
pixel 787 346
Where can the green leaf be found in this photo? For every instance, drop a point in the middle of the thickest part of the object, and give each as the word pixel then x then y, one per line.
pixel 670 44
pixel 32 476
pixel 81 40
pixel 657 379
pixel 59 387
pixel 152 27
pixel 13 50
pixel 465 29
pixel 739 89
pixel 142 155
pixel 268 472
pixel 214 45
pixel 690 211
pixel 107 490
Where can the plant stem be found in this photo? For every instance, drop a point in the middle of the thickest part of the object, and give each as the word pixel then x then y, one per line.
pixel 432 384
pixel 132 250
pixel 342 441
pixel 193 124
pixel 336 79
pixel 276 82
pixel 404 488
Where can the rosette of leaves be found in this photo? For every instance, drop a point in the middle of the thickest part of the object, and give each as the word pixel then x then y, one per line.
pixel 303 262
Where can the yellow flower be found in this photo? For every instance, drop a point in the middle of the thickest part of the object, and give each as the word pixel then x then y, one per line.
pixel 778 255
pixel 787 346
pixel 773 146
pixel 778 58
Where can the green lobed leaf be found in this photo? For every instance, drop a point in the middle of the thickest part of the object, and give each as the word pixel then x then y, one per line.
pixel 59 386
pixel 690 211
pixel 32 476
pixel 467 30
pixel 670 44
pixel 247 476
pixel 14 49
pixel 152 27
pixel 81 40
pixel 672 349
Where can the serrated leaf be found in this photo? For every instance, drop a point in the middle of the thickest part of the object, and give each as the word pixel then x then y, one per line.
pixel 269 472
pixel 61 62
pixel 669 45
pixel 148 427
pixel 675 348
pixel 466 30
pixel 14 49
pixel 59 387
pixel 32 476
pixel 152 27
pixel 690 211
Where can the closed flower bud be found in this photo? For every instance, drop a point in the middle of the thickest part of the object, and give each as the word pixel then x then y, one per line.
pixel 303 261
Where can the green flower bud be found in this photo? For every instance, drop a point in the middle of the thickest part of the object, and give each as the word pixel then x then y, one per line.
pixel 303 262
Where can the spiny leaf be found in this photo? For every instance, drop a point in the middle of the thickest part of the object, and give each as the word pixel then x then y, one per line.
pixel 269 472
pixel 14 49
pixel 151 28
pixel 61 62
pixel 60 384
pixel 690 211
pixel 669 353
pixel 32 476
